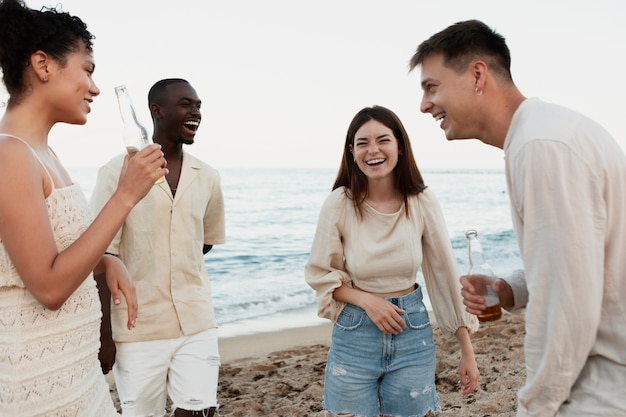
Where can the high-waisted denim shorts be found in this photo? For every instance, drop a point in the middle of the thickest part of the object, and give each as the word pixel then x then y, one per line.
pixel 369 373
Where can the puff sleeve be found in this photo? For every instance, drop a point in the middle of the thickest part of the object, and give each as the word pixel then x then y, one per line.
pixel 440 269
pixel 325 269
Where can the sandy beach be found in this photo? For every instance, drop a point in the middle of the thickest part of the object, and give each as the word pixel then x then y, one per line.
pixel 280 372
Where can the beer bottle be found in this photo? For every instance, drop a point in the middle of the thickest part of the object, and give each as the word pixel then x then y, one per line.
pixel 134 134
pixel 481 276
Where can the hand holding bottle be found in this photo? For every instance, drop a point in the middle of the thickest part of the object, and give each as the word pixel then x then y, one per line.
pixel 481 278
pixel 135 134
pixel 475 303
pixel 140 172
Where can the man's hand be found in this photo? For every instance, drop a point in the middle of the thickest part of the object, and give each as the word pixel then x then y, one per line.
pixel 475 303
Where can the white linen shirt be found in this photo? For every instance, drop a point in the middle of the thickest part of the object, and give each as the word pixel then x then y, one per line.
pixel 566 178
pixel 161 245
pixel 383 252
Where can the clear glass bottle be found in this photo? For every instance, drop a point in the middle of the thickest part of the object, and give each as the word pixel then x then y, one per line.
pixel 482 277
pixel 134 133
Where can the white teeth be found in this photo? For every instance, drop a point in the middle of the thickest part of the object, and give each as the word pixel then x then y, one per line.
pixel 439 116
pixel 375 161
pixel 192 122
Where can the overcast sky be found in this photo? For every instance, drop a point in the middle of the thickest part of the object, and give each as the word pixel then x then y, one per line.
pixel 280 80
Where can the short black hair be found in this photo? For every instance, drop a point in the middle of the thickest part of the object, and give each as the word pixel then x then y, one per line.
pixel 157 90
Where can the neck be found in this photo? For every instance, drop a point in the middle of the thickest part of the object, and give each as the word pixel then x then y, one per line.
pixel 171 152
pixel 381 189
pixel 501 115
pixel 387 200
pixel 382 193
pixel 18 123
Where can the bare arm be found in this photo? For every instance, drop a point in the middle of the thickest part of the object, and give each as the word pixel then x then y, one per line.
pixel 106 355
pixel 52 276
pixel 112 278
pixel 468 370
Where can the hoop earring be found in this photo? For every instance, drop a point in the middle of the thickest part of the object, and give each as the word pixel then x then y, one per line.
pixel 478 92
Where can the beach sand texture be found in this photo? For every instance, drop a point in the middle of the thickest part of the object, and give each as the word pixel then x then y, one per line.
pixel 281 373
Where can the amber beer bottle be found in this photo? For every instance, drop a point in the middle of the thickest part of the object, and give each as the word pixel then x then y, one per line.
pixel 134 134
pixel 482 276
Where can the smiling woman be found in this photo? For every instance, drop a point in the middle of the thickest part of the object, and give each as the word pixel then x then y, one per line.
pixel 376 229
pixel 49 304
pixel 375 152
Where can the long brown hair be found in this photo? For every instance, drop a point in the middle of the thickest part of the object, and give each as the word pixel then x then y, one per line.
pixel 408 179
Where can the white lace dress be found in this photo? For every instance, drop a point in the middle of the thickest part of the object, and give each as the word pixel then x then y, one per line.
pixel 49 359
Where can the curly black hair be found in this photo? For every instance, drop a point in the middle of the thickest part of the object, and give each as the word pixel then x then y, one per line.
pixel 24 31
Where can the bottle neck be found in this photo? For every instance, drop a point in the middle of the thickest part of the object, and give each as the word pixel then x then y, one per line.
pixel 476 257
pixel 127 111
pixel 478 264
pixel 135 134
pixel 475 250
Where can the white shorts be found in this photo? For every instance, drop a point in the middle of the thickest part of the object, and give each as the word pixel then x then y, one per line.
pixel 186 369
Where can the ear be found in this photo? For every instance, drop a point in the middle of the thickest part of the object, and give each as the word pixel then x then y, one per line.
pixel 155 111
pixel 39 61
pixel 479 73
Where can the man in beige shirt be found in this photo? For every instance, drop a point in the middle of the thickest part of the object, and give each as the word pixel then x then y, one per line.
pixel 566 178
pixel 173 348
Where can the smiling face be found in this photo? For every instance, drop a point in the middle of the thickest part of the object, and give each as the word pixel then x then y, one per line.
pixel 450 97
pixel 71 88
pixel 179 113
pixel 375 150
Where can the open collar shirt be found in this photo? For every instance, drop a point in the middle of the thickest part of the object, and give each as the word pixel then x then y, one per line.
pixel 567 183
pixel 161 244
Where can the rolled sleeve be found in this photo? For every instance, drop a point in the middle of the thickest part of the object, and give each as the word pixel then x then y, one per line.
pixel 517 282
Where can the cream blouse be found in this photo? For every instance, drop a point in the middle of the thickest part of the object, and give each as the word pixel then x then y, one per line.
pixel 382 253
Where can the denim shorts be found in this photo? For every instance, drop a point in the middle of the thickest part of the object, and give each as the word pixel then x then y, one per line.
pixel 369 373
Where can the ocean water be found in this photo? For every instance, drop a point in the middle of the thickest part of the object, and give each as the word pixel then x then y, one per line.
pixel 271 215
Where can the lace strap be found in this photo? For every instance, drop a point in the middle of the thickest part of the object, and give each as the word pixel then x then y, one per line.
pixel 34 153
